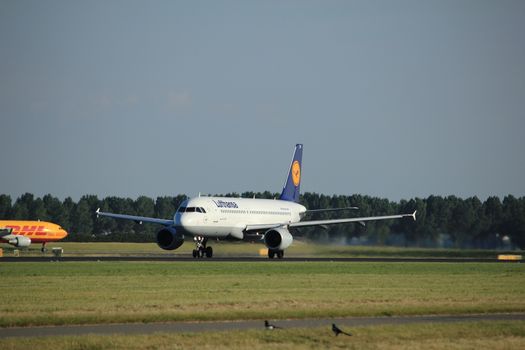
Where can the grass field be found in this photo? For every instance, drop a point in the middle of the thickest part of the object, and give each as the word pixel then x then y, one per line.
pixel 107 292
pixel 475 335
pixel 226 249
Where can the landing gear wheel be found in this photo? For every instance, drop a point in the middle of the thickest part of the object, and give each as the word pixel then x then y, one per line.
pixel 271 254
pixel 280 254
pixel 201 248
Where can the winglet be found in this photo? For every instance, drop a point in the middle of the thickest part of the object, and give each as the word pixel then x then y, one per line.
pixel 98 211
pixel 414 215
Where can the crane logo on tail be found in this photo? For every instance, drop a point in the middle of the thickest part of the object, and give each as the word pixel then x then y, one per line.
pixel 296 173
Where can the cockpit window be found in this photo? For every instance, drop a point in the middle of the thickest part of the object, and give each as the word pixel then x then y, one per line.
pixel 191 210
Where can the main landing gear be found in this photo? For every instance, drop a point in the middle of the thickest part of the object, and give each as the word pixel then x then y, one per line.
pixel 202 249
pixel 43 249
pixel 272 253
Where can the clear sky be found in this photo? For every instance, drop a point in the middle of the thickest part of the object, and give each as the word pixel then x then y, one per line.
pixel 395 99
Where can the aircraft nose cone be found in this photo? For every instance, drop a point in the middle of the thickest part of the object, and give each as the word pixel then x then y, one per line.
pixel 186 221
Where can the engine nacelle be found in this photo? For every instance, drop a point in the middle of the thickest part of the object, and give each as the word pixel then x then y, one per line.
pixel 278 239
pixel 169 239
pixel 20 241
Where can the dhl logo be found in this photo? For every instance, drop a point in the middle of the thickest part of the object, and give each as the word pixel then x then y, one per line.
pixel 29 230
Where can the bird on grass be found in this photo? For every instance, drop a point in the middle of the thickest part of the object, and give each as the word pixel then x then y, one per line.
pixel 268 325
pixel 338 330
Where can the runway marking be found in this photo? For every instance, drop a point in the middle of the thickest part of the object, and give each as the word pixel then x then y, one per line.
pixel 146 328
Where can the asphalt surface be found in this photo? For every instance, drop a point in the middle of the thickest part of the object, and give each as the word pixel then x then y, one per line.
pixel 243 259
pixel 177 327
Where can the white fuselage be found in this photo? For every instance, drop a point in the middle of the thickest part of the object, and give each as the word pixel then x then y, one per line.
pixel 222 217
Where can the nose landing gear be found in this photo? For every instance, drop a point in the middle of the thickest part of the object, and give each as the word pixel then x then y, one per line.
pixel 201 248
pixel 272 253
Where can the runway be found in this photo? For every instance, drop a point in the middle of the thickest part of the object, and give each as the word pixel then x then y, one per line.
pixel 178 327
pixel 164 258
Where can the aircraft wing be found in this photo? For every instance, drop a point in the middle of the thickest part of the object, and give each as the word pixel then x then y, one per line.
pixel 326 222
pixel 330 209
pixel 262 227
pixel 343 221
pixel 138 219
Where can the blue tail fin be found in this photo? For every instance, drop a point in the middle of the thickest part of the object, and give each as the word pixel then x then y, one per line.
pixel 293 181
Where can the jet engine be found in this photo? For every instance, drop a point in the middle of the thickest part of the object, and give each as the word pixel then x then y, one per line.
pixel 278 239
pixel 20 241
pixel 169 239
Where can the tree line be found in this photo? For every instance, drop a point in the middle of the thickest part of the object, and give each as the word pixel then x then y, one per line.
pixel 441 221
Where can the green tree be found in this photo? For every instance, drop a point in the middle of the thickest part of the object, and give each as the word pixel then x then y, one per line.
pixel 39 211
pixel 144 206
pixel 125 228
pixel 414 232
pixel 493 213
pixel 106 228
pixel 461 221
pixel 436 215
pixel 164 207
pixel 82 220
pixel 22 207
pixel 5 207
pixel 467 221
pixel 65 217
pixel 56 211
pixel 513 223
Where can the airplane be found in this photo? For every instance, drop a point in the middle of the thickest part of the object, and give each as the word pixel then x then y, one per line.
pixel 240 218
pixel 23 233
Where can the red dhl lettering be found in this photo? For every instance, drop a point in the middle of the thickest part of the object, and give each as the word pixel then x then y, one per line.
pixel 28 230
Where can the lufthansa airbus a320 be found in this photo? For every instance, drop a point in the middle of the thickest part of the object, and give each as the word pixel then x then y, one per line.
pixel 221 217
